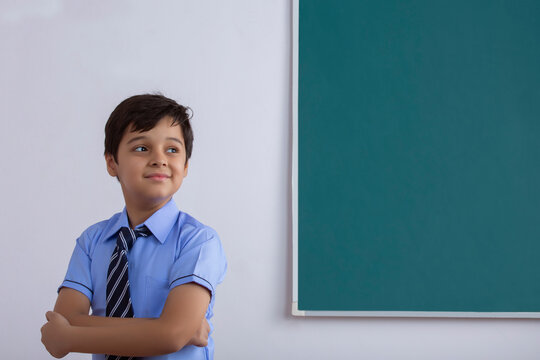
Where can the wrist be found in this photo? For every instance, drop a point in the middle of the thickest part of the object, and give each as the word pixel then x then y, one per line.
pixel 71 338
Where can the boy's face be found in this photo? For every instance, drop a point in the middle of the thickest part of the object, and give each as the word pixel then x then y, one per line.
pixel 151 165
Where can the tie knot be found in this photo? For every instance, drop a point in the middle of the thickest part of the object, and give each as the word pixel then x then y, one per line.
pixel 127 236
pixel 142 231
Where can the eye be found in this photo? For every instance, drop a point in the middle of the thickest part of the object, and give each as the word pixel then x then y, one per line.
pixel 172 150
pixel 140 148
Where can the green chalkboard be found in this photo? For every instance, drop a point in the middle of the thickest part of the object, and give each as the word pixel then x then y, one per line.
pixel 417 157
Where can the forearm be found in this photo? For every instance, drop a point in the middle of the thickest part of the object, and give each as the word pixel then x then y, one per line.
pixel 132 337
pixel 199 339
pixel 181 323
pixel 102 321
pixel 74 307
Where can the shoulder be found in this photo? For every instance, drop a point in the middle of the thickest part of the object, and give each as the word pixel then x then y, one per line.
pixel 189 227
pixel 94 233
pixel 191 232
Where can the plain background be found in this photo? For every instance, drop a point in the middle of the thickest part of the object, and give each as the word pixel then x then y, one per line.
pixel 65 65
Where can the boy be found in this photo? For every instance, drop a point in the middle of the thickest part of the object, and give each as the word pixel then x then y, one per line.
pixel 149 273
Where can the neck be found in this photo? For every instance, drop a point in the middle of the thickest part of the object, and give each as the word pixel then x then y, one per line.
pixel 138 213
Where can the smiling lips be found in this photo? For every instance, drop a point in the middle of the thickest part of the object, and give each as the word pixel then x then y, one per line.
pixel 157 176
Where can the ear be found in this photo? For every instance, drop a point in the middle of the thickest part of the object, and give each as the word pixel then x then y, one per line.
pixel 112 166
pixel 186 168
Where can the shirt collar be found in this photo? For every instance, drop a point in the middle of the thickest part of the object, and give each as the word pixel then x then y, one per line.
pixel 160 223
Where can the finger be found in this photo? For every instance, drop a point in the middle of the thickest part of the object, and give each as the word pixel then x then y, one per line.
pixel 51 315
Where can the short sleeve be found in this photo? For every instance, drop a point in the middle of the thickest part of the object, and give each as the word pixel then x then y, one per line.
pixel 201 261
pixel 78 273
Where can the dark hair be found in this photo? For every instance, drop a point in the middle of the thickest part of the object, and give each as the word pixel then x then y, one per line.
pixel 143 112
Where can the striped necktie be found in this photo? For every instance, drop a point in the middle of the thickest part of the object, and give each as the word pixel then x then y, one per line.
pixel 118 295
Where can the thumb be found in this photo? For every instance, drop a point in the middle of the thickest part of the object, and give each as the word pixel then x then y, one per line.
pixel 50 315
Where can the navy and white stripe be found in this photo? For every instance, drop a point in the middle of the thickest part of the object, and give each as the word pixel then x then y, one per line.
pixel 118 296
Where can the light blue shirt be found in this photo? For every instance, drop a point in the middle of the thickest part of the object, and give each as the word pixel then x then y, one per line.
pixel 179 251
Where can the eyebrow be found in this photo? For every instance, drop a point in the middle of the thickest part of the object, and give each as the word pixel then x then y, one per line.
pixel 136 138
pixel 175 139
pixel 142 137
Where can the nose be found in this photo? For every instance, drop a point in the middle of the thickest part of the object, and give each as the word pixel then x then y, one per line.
pixel 158 163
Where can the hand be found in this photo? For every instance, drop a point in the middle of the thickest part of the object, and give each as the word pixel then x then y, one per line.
pixel 201 335
pixel 55 334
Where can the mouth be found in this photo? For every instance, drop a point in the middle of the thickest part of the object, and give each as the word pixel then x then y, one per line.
pixel 157 176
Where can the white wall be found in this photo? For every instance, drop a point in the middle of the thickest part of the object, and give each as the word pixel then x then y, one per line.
pixel 66 64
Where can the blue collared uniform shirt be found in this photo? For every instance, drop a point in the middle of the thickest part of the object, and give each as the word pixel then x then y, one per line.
pixel 179 251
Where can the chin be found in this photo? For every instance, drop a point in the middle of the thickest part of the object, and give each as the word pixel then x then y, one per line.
pixel 161 198
pixel 157 198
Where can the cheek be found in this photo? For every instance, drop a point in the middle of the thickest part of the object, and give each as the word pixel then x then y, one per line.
pixel 177 167
pixel 179 174
pixel 130 170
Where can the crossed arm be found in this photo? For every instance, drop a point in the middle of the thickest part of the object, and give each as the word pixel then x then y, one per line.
pixel 182 322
